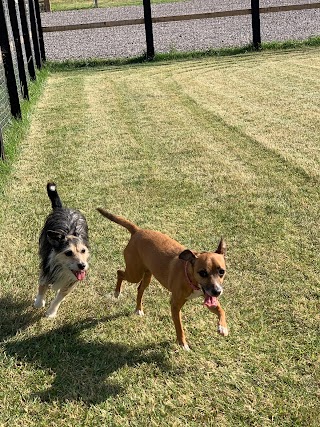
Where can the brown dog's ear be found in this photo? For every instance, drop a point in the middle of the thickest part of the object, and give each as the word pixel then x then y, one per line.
pixel 222 248
pixel 55 237
pixel 188 255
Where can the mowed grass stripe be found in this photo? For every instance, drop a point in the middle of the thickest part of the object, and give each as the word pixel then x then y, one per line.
pixel 150 117
pixel 288 124
pixel 165 146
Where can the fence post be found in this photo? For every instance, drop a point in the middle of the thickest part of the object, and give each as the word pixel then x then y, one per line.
pixel 8 66
pixel 256 32
pixel 148 29
pixel 39 28
pixel 26 37
pixel 47 6
pixel 34 33
pixel 2 155
pixel 17 42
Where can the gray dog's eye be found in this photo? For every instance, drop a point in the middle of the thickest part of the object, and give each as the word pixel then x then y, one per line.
pixel 83 251
pixel 68 253
pixel 203 273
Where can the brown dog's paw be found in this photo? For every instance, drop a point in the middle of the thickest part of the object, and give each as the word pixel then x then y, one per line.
pixel 185 347
pixel 223 330
pixel 139 312
pixel 116 294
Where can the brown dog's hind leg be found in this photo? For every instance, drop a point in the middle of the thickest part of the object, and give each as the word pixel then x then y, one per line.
pixel 120 278
pixel 176 305
pixel 145 282
pixel 133 274
pixel 222 324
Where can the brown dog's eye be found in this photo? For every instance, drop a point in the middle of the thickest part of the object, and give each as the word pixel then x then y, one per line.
pixel 68 253
pixel 221 272
pixel 203 273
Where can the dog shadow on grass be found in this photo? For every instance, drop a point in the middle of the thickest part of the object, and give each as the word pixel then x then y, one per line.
pixel 81 369
pixel 16 316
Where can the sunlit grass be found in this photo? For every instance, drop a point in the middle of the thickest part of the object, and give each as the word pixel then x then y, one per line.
pixel 57 5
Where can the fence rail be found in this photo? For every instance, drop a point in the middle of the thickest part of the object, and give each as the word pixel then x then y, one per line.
pixel 195 16
pixel 21 51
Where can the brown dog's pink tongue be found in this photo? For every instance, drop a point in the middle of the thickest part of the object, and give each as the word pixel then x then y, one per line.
pixel 210 301
pixel 80 275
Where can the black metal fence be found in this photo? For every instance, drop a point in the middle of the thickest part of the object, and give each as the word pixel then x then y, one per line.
pixel 21 53
pixel 254 11
pixel 135 31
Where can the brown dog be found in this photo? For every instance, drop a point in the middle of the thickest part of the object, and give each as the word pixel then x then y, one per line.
pixel 184 273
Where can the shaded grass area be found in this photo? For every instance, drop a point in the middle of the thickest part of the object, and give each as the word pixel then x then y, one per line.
pixel 197 149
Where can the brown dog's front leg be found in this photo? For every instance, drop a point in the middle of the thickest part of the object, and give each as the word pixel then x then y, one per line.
pixel 176 306
pixel 222 324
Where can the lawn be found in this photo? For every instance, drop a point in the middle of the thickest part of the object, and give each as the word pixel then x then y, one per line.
pixel 57 5
pixel 196 149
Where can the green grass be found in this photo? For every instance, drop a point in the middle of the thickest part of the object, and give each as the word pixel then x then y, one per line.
pixel 198 148
pixel 180 55
pixel 16 130
pixel 58 5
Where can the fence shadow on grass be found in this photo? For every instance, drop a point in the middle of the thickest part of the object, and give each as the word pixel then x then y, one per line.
pixel 80 368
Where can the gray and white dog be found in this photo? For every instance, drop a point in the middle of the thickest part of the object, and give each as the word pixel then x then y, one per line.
pixel 63 252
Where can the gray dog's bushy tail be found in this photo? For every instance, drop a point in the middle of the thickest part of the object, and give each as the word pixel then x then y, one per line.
pixel 130 226
pixel 53 195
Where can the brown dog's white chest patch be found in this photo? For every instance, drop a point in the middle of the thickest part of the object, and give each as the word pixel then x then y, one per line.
pixel 195 294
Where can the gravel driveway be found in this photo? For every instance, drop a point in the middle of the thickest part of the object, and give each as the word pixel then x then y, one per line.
pixel 182 36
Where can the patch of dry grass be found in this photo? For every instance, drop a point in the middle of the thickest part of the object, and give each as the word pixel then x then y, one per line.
pixel 195 149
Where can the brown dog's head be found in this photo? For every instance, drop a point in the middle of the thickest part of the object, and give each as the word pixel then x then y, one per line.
pixel 209 268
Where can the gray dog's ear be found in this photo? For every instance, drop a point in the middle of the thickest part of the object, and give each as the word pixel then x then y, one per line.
pixel 55 237
pixel 188 255
pixel 222 248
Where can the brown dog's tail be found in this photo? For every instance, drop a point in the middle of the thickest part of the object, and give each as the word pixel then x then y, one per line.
pixel 130 226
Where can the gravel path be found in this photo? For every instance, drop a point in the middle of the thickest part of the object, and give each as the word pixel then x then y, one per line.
pixel 182 36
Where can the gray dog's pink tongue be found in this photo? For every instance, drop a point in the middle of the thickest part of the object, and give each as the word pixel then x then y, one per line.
pixel 210 301
pixel 80 275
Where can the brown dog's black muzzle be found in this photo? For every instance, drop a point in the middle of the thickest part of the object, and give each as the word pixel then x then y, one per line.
pixel 214 291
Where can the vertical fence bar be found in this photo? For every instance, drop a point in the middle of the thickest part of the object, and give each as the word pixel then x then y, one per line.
pixel 148 29
pixel 26 37
pixel 8 65
pixel 256 31
pixel 2 155
pixel 34 32
pixel 39 28
pixel 47 6
pixel 17 42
